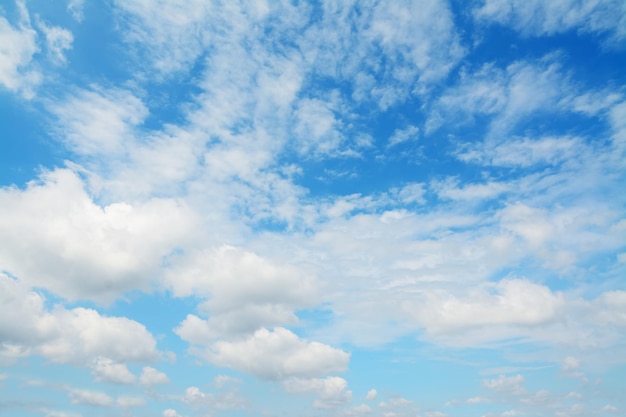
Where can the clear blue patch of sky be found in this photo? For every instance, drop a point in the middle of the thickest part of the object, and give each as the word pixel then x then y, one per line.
pixel 25 143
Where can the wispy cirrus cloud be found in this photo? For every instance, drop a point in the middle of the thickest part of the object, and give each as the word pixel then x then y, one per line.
pixel 536 18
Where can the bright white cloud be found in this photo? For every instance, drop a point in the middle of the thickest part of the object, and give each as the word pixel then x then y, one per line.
pixel 80 336
pixel 510 301
pixel 245 292
pixel 17 47
pixel 278 354
pixel 95 252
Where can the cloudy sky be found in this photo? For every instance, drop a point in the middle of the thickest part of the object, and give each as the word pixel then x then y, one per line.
pixel 274 208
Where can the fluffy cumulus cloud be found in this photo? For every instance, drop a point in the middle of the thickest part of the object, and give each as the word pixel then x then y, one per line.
pixel 278 354
pixel 510 301
pixel 95 252
pixel 105 369
pixel 330 391
pixel 245 291
pixel 78 335
pixel 150 376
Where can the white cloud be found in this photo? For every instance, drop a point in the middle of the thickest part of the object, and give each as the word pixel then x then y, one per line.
pixel 169 28
pixel 245 291
pixel 85 250
pixel 330 392
pixel 128 402
pixel 98 121
pixel 197 398
pixel 507 302
pixel 358 410
pixel 277 355
pixel 526 152
pixel 506 96
pixel 222 400
pixel 435 414
pixel 317 127
pixel 610 409
pixel 507 385
pixel 223 380
pixel 92 398
pixel 170 412
pixel 617 115
pixel 539 18
pixel 397 406
pixel 574 395
pixel 417 42
pixel 76 9
pixel 85 333
pixel 477 400
pixel 449 189
pixel 17 47
pixel 371 394
pixel 410 193
pixel 570 364
pixel 151 376
pixel 79 336
pixel 418 39
pixel 58 40
pixel 104 369
pixel 403 135
pixel 52 413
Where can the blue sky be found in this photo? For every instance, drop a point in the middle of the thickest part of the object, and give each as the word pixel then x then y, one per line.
pixel 346 209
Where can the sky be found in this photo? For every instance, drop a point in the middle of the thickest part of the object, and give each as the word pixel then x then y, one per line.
pixel 312 209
